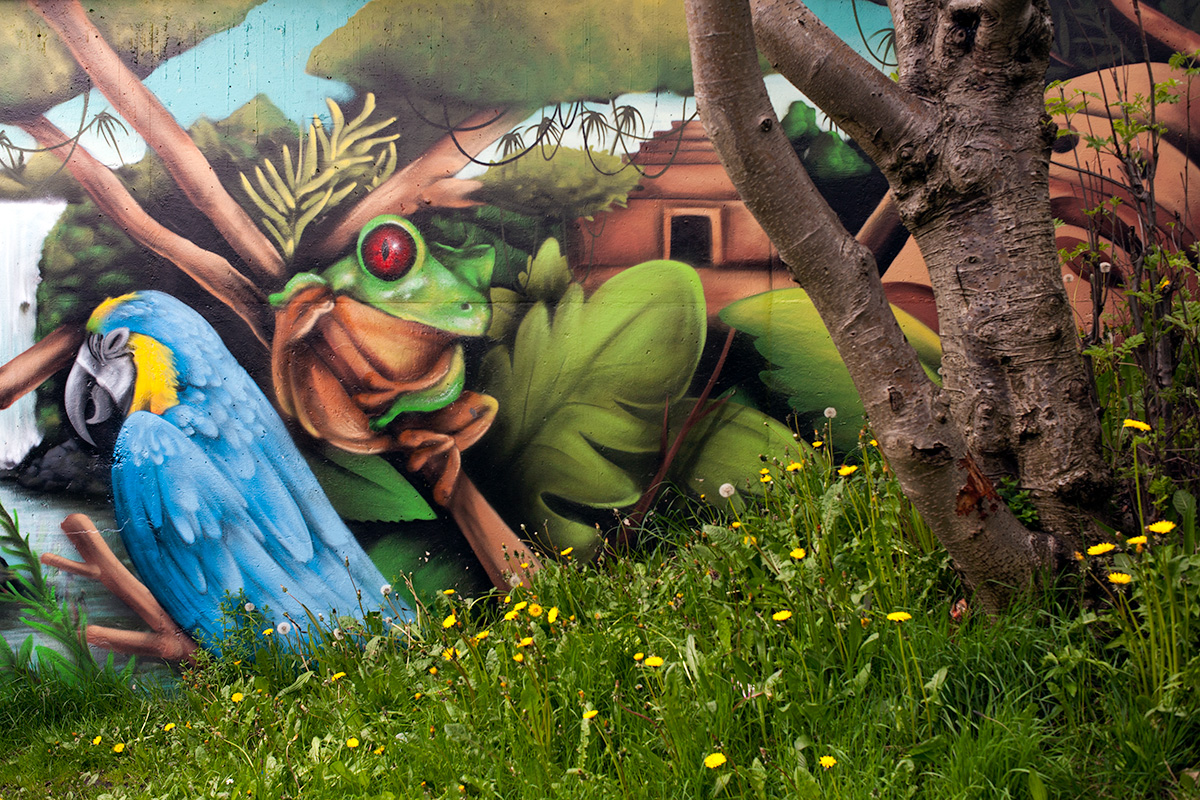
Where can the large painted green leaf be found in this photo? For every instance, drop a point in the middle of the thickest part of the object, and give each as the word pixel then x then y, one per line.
pixel 806 367
pixel 728 446
pixel 582 392
pixel 366 488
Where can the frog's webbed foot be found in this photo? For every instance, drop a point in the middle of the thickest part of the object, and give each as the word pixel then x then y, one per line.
pixel 434 440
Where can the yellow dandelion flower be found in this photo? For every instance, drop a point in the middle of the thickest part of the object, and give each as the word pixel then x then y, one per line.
pixel 781 616
pixel 447 592
pixel 268 631
pixel 449 653
pixel 817 443
pixel 479 637
pixel 418 696
pixel 590 714
pixel 899 616
pixel 518 658
pixel 1101 549
pixel 520 605
pixel 96 741
pixel 170 726
pixel 552 615
pixel 352 743
pixel 766 479
pixel 714 760
pixel 873 443
pixel 827 761
pixel 524 565
pixel 794 466
pixel 735 525
pixel 749 540
pixel 567 551
pixel 433 670
pixel 507 599
pixel 535 610
pixel 119 747
pixel 654 661
pixel 638 656
pixel 1162 526
pixel 798 553
pixel 764 471
pixel 847 469
pixel 378 750
pixel 1119 578
pixel 1138 540
pixel 237 697
pixel 1137 425
pixel 528 640
pixel 510 616
pixel 450 621
pixel 1078 556
pixel 337 676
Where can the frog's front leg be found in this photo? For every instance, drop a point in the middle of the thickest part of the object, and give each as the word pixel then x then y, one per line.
pixel 434 440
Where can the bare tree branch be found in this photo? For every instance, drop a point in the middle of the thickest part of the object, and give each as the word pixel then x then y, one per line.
pixel 100 564
pixel 210 270
pixel 909 415
pixel 864 102
pixel 34 367
pixel 415 187
pixel 141 109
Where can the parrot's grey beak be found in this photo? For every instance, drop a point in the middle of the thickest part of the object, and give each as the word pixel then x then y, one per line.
pixel 100 386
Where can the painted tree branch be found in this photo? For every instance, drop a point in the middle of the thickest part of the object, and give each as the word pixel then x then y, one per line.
pixel 864 102
pixel 1158 26
pixel 36 365
pixel 142 110
pixel 99 563
pixel 908 413
pixel 506 559
pixel 208 269
pixel 416 187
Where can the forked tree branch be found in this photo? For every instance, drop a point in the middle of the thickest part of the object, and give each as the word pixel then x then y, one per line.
pixel 864 102
pixel 208 269
pixel 99 563
pixel 142 110
pixel 415 187
pixel 909 415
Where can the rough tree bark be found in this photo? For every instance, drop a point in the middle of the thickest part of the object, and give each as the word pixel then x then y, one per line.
pixel 964 143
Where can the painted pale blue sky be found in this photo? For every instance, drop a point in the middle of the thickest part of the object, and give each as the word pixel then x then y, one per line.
pixel 267 54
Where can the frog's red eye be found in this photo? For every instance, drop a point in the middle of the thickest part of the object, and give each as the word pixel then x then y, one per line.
pixel 389 252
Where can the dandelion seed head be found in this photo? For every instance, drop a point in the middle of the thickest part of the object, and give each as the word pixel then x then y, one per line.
pixel 726 490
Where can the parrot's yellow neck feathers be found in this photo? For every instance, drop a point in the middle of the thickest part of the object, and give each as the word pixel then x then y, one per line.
pixel 104 309
pixel 156 388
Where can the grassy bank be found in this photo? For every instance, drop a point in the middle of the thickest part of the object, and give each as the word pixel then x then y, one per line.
pixel 806 640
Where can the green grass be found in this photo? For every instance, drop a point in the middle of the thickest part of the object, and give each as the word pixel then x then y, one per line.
pixel 1042 702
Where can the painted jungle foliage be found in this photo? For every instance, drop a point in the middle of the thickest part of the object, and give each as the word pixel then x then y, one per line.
pixel 303 304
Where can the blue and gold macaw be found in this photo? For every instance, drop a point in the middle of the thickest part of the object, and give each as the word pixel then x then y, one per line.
pixel 210 493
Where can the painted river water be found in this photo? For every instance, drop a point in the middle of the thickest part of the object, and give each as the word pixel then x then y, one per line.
pixel 23 226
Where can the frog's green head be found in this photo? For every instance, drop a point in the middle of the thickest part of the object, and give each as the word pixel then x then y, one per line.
pixel 394 270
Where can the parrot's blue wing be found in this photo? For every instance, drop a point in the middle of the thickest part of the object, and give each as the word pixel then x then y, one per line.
pixel 194 531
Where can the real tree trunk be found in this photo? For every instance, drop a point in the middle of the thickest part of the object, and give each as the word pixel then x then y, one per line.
pixel 962 141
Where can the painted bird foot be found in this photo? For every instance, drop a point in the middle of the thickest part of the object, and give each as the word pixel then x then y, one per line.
pixel 166 640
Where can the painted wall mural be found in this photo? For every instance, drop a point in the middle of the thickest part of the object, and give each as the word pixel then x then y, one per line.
pixel 402 292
